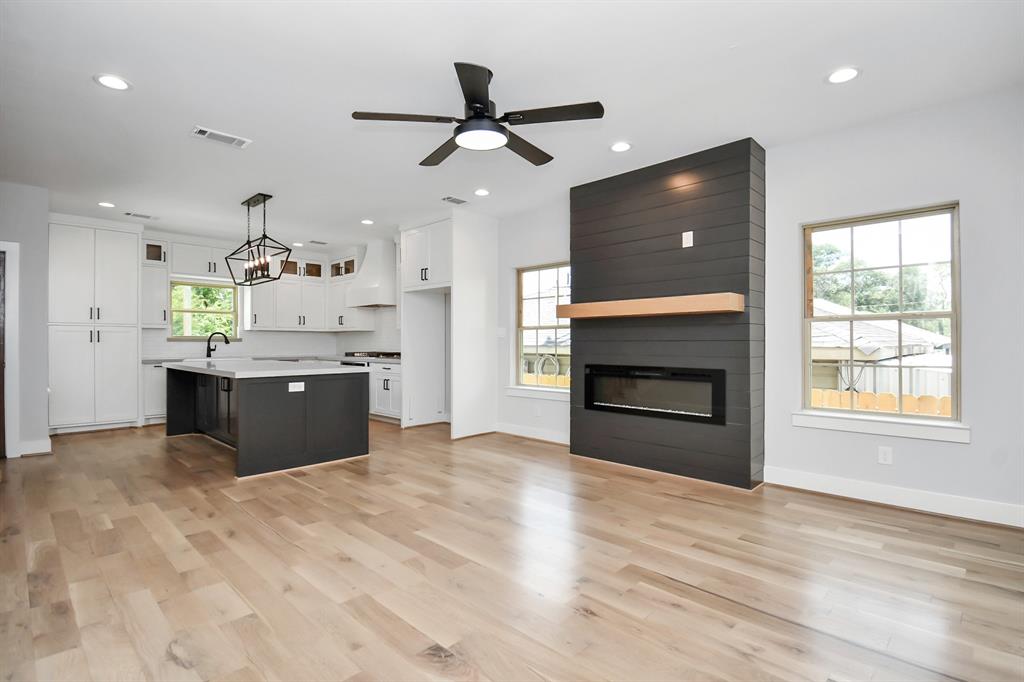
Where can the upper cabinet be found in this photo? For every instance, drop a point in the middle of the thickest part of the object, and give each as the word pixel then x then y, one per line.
pixel 155 296
pixel 309 270
pixel 343 268
pixel 154 252
pixel 427 256
pixel 94 276
pixel 199 261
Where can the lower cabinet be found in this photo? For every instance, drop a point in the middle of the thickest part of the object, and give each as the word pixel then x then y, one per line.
pixel 94 374
pixel 386 390
pixel 217 408
pixel 154 391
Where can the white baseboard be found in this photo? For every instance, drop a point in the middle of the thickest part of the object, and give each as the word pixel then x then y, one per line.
pixel 531 432
pixel 31 447
pixel 911 498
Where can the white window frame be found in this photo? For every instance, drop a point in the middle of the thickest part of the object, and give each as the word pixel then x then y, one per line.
pixel 517 375
pixel 956 347
pixel 199 283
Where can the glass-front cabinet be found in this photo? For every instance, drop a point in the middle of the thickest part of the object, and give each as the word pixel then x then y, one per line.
pixel 343 268
pixel 154 252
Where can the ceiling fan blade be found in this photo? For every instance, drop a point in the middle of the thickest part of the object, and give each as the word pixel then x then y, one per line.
pixel 535 155
pixel 441 153
pixel 416 118
pixel 569 112
pixel 474 80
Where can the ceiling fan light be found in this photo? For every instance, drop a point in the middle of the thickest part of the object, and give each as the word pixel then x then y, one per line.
pixel 480 135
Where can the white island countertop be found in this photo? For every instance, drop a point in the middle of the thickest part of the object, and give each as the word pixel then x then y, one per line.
pixel 238 368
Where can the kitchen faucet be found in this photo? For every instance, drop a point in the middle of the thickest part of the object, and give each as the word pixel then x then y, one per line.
pixel 208 338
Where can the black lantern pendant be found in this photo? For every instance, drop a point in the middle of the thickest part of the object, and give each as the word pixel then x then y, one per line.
pixel 259 260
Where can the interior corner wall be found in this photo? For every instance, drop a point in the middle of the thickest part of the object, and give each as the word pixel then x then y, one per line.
pixel 24 218
pixel 969 151
pixel 474 323
pixel 536 237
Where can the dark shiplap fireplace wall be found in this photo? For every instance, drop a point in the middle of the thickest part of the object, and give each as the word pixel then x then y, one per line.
pixel 625 243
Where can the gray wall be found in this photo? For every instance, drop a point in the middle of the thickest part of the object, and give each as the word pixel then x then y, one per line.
pixel 625 243
pixel 24 218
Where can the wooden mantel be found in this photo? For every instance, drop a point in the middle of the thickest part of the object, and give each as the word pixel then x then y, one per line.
pixel 697 304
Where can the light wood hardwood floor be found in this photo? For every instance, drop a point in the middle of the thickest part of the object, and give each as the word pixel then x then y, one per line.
pixel 128 556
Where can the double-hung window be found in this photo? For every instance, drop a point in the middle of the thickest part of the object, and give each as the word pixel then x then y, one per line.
pixel 198 309
pixel 543 338
pixel 881 326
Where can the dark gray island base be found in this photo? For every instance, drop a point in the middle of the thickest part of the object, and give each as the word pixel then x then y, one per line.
pixel 274 422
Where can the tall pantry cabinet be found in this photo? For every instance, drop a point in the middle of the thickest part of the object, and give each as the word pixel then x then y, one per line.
pixel 93 330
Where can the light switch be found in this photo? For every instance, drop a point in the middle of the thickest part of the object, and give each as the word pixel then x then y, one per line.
pixel 296 386
pixel 687 239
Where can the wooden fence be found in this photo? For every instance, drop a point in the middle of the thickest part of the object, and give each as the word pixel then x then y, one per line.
pixel 941 406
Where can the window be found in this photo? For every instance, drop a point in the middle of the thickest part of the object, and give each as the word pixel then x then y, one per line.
pixel 199 309
pixel 543 357
pixel 881 314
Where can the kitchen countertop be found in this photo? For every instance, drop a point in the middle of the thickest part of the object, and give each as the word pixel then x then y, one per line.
pixel 242 368
pixel 156 360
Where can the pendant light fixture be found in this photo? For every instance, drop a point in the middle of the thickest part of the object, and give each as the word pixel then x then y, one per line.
pixel 259 260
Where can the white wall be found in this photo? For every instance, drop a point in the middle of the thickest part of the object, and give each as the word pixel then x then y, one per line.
pixel 536 237
pixel 24 218
pixel 253 343
pixel 474 319
pixel 970 151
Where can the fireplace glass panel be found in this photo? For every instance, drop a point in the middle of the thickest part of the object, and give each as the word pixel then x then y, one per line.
pixel 673 393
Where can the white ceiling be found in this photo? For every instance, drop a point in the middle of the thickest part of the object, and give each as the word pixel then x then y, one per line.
pixel 674 78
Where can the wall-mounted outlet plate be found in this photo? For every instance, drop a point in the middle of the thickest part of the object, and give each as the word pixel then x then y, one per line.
pixel 687 239
pixel 884 454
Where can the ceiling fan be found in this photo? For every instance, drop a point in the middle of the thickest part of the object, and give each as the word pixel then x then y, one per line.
pixel 482 129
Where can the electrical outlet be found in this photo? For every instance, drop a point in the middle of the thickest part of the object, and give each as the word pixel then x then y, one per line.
pixel 884 454
pixel 687 239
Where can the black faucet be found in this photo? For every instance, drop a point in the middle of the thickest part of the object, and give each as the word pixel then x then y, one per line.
pixel 208 338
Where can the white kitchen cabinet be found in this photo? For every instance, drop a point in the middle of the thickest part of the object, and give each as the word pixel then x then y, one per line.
pixel 72 274
pixel 298 268
pixel 386 390
pixel 343 268
pixel 199 261
pixel 427 256
pixel 153 252
pixel 117 277
pixel 72 372
pixel 314 306
pixel 117 374
pixel 155 296
pixel 288 304
pixel 262 306
pixel 341 317
pixel 154 390
pixel 94 276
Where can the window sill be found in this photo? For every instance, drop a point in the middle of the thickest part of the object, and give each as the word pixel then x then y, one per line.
pixel 950 432
pixel 538 392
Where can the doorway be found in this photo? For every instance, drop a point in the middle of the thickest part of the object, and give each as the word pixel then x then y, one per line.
pixel 3 352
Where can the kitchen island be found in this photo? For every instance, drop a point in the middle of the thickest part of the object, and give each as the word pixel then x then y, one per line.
pixel 276 414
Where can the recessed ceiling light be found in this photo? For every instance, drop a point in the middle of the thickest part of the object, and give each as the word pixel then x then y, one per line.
pixel 297 244
pixel 109 80
pixel 621 147
pixel 105 204
pixel 843 74
pixel 366 221
pixel 482 192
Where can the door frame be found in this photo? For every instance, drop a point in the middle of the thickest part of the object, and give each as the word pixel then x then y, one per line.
pixel 12 359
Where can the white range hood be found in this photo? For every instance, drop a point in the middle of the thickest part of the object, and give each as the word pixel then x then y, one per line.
pixel 374 284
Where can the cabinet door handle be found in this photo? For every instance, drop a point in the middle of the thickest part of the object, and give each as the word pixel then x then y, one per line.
pixel 208 264
pixel 426 274
pixel 97 336
pixel 90 312
pixel 386 385
pixel 340 318
pixel 300 320
pixel 163 257
pixel 165 316
pixel 90 336
pixel 97 314
pixel 254 318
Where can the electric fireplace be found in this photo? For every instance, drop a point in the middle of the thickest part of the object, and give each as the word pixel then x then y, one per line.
pixel 667 392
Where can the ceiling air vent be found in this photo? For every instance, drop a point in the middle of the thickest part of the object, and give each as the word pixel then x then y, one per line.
pixel 141 216
pixel 453 200
pixel 225 138
pixel 317 242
